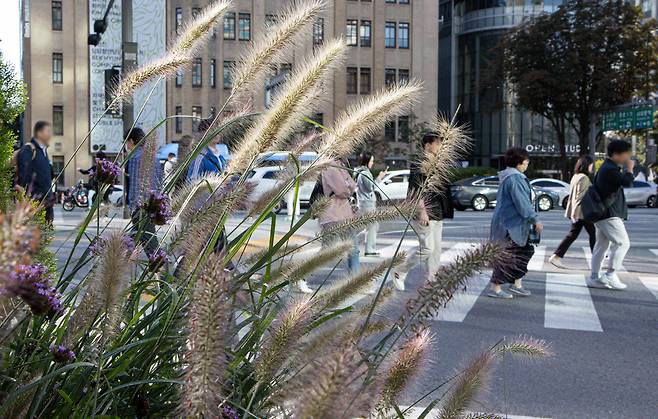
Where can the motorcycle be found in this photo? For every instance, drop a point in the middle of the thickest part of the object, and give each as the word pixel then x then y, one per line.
pixel 77 196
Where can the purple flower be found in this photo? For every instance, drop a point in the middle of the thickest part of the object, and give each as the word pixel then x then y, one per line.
pixel 61 353
pixel 128 243
pixel 157 259
pixel 31 283
pixel 157 208
pixel 229 413
pixel 97 245
pixel 106 172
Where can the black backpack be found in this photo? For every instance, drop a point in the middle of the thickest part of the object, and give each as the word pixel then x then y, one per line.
pixel 594 207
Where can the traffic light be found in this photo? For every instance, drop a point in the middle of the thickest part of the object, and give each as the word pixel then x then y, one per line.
pixel 112 79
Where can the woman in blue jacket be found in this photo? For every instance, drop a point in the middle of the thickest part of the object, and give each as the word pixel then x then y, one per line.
pixel 511 223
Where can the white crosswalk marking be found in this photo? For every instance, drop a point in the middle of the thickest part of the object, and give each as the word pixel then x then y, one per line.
pixel 537 261
pixel 569 304
pixel 651 282
pixel 654 251
pixel 455 250
pixel 463 301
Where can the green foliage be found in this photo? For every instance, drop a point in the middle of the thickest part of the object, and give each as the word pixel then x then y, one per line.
pixel 12 103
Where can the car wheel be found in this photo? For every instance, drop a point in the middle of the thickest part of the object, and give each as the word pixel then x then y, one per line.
pixel 651 202
pixel 565 202
pixel 479 203
pixel 545 203
pixel 68 206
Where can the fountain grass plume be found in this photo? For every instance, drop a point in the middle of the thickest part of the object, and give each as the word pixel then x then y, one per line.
pixel 301 269
pixel 164 67
pixel 366 118
pixel 273 42
pixel 525 346
pixel 19 238
pixel 357 283
pixel 291 324
pixel 194 34
pixel 289 106
pixel 470 382
pixel 286 179
pixel 205 359
pixel 343 229
pixel 147 168
pixel 408 361
pixel 191 189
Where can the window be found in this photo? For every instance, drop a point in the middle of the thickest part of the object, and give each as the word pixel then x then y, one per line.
pixel 365 81
pixel 351 80
pixel 229 25
pixel 365 33
pixel 389 77
pixel 245 27
pixel 180 77
pixel 58 68
pixel 403 1
pixel 318 32
pixel 640 184
pixel 57 15
pixel 270 20
pixel 179 18
pixel 390 1
pixel 389 131
pixel 196 11
pixel 403 32
pixel 58 120
pixel 197 72
pixel 272 174
pixel 58 168
pixel 197 111
pixel 389 35
pixel 351 32
pixel 227 74
pixel 403 76
pixel 178 122
pixel 213 73
pixel 403 128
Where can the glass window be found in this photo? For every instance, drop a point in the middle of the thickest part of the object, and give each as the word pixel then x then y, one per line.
pixel 639 184
pixel 365 81
pixel 57 15
pixel 351 32
pixel 271 174
pixel 178 122
pixel 58 168
pixel 228 74
pixel 351 80
pixel 58 68
pixel 213 73
pixel 389 35
pixel 197 72
pixel 318 32
pixel 245 27
pixel 390 1
pixel 179 18
pixel 403 1
pixel 389 77
pixel 196 11
pixel 180 77
pixel 403 75
pixel 229 25
pixel 365 33
pixel 58 120
pixel 403 128
pixel 197 112
pixel 403 33
pixel 389 131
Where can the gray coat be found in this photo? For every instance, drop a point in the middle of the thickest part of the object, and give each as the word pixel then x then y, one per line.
pixel 365 182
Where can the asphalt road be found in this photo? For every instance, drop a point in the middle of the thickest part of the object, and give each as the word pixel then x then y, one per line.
pixel 605 342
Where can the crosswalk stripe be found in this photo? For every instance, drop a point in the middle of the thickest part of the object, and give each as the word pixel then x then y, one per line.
pixel 651 282
pixel 537 261
pixel 455 250
pixel 569 304
pixel 463 301
pixel 654 251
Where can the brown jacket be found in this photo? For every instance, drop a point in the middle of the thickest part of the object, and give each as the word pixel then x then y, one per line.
pixel 579 185
pixel 338 185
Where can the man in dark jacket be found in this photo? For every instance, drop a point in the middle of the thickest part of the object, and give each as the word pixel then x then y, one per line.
pixel 615 173
pixel 435 205
pixel 34 172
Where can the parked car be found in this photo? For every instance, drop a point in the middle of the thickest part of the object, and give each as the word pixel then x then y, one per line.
pixel 393 186
pixel 479 193
pixel 265 179
pixel 641 194
pixel 555 185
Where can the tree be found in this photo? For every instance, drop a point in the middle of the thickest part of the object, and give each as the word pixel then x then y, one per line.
pixel 585 58
pixel 12 104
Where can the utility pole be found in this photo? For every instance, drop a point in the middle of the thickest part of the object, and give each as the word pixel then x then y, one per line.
pixel 129 62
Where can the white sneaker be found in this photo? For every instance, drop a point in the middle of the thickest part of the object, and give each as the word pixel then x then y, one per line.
pixel 597 282
pixel 398 281
pixel 613 280
pixel 556 261
pixel 304 288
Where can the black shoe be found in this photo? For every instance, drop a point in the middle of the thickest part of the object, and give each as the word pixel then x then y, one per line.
pixel 372 254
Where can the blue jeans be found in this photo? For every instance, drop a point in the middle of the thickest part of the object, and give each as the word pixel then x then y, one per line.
pixel 353 263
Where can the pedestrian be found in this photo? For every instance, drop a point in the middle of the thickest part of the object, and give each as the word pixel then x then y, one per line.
pixel 338 186
pixel 169 165
pixel 211 159
pixel 580 182
pixel 514 218
pixel 34 171
pixel 434 206
pixel 93 184
pixel 615 173
pixel 366 197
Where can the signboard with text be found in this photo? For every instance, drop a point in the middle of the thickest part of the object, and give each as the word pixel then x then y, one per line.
pixel 627 119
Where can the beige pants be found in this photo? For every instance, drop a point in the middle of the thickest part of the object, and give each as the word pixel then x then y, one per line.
pixel 428 253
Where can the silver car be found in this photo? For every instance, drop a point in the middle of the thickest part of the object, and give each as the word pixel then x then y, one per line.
pixel 641 194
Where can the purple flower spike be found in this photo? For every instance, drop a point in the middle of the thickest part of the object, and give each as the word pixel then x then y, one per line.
pixel 157 208
pixel 229 413
pixel 32 284
pixel 157 259
pixel 107 172
pixel 62 354
pixel 128 243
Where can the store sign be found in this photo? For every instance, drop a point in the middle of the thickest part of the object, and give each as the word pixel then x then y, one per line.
pixel 627 119
pixel 551 149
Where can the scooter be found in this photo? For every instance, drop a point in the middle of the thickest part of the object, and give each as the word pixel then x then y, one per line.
pixel 77 196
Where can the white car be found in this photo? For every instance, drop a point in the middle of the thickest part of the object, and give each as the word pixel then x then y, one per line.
pixel 393 186
pixel 115 197
pixel 641 194
pixel 561 188
pixel 265 179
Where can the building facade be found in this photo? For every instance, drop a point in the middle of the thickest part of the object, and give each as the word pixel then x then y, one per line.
pixel 389 40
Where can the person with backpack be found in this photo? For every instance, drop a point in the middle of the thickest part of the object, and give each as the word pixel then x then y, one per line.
pixel 34 172
pixel 212 159
pixel 366 197
pixel 580 182
pixel 514 223
pixel 615 173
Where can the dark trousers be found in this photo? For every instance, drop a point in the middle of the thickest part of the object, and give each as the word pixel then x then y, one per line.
pixel 50 214
pixel 573 234
pixel 143 232
pixel 515 265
